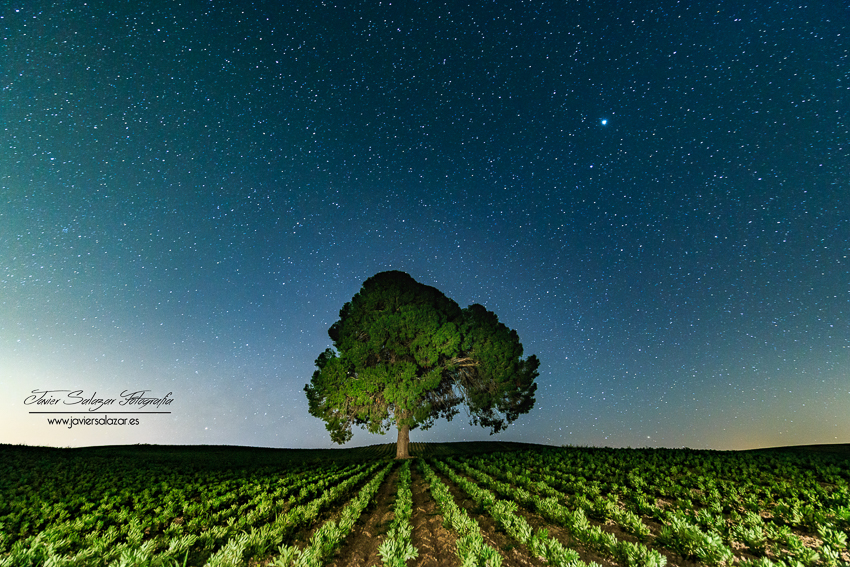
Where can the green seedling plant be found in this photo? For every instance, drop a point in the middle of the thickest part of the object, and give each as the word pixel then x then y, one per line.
pixel 397 548
pixel 471 549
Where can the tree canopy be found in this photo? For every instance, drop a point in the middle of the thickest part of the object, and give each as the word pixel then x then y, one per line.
pixel 405 355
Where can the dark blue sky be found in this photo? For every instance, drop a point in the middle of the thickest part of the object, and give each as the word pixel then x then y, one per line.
pixel 654 195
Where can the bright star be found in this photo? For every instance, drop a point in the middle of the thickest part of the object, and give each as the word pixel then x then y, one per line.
pixel 604 121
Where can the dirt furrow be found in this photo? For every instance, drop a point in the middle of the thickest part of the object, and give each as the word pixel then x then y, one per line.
pixel 435 544
pixel 361 545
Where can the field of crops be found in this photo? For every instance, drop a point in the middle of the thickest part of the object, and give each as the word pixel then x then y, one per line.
pixel 455 504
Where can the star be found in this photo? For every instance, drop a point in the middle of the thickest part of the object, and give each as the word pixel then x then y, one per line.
pixel 604 121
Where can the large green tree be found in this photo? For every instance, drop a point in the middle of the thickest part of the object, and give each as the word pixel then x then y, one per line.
pixel 405 355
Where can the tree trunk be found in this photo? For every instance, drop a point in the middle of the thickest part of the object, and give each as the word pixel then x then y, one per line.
pixel 401 451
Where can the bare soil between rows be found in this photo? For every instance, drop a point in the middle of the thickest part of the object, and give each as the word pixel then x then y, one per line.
pixel 436 544
pixel 361 545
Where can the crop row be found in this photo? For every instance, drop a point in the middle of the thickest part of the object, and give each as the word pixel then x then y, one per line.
pixel 220 538
pixel 204 497
pixel 471 548
pixel 808 490
pixel 707 533
pixel 331 534
pixel 397 548
pixel 627 553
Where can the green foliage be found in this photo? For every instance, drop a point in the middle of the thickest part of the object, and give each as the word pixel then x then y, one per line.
pixel 471 549
pixel 331 534
pixel 539 543
pixel 689 540
pixel 833 538
pixel 397 548
pixel 753 536
pixel 405 355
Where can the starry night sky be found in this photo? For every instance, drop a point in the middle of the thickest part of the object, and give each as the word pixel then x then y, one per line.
pixel 654 195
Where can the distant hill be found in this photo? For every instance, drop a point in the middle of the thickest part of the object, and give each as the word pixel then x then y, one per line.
pixel 826 448
pixel 216 456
